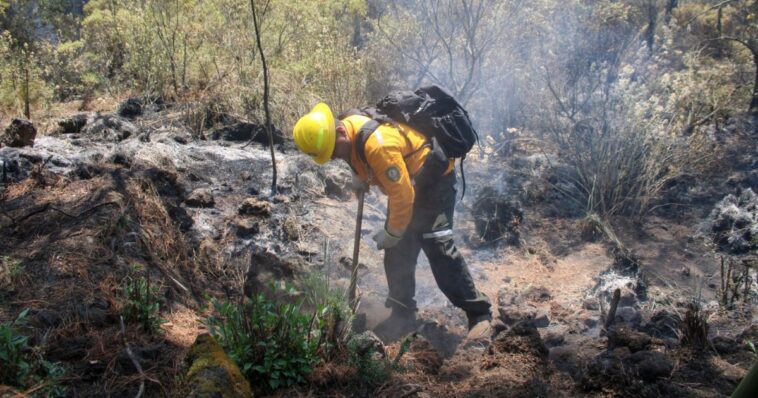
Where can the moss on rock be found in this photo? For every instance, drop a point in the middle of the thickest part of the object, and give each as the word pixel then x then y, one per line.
pixel 212 374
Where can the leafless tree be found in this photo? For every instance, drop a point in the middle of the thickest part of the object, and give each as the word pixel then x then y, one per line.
pixel 454 41
pixel 269 131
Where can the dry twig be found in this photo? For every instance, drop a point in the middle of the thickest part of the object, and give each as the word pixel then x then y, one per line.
pixel 134 360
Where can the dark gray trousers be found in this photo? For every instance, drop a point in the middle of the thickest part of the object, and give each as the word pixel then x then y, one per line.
pixel 431 230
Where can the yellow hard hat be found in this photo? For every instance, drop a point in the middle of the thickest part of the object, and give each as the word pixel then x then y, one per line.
pixel 315 133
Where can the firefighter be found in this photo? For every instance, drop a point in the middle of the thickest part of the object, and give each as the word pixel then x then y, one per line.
pixel 419 181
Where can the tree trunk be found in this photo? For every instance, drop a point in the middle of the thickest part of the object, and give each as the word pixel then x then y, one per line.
pixel 27 110
pixel 719 31
pixel 670 5
pixel 269 131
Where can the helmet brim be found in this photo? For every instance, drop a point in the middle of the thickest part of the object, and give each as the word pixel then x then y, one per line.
pixel 330 133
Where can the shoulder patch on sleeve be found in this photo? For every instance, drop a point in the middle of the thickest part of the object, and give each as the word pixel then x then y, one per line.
pixel 392 173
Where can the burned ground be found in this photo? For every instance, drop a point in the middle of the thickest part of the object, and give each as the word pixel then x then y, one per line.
pixel 84 209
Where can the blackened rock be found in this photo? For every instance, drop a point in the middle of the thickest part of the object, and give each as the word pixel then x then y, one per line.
pixel 130 108
pixel 72 125
pixel 652 365
pixel 20 133
pixel 201 197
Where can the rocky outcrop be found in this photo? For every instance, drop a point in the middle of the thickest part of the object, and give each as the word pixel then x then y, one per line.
pixel 20 133
pixel 212 374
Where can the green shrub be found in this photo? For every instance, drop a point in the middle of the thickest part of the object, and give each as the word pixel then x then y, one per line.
pixel 333 314
pixel 141 303
pixel 271 342
pixel 23 366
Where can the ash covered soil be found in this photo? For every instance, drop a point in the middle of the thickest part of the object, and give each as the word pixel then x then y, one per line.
pixel 103 194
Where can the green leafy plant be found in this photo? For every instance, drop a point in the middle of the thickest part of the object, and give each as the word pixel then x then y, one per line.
pixel 334 316
pixel 271 342
pixel 23 366
pixel 141 303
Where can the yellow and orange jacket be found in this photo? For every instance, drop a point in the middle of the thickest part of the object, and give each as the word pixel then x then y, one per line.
pixel 394 156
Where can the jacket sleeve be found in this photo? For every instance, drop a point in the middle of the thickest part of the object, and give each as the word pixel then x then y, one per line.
pixel 388 167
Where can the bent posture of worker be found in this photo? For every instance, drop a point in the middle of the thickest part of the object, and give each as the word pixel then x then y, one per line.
pixel 419 181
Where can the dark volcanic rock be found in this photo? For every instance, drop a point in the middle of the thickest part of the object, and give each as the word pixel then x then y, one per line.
pixel 20 133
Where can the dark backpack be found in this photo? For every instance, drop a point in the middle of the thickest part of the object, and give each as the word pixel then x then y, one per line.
pixel 430 110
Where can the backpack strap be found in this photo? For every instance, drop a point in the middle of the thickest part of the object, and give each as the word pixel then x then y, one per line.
pixel 362 137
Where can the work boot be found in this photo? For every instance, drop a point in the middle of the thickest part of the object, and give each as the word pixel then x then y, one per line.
pixel 400 323
pixel 479 331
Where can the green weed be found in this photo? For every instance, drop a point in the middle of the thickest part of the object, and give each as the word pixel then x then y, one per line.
pixel 23 366
pixel 141 303
pixel 271 342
